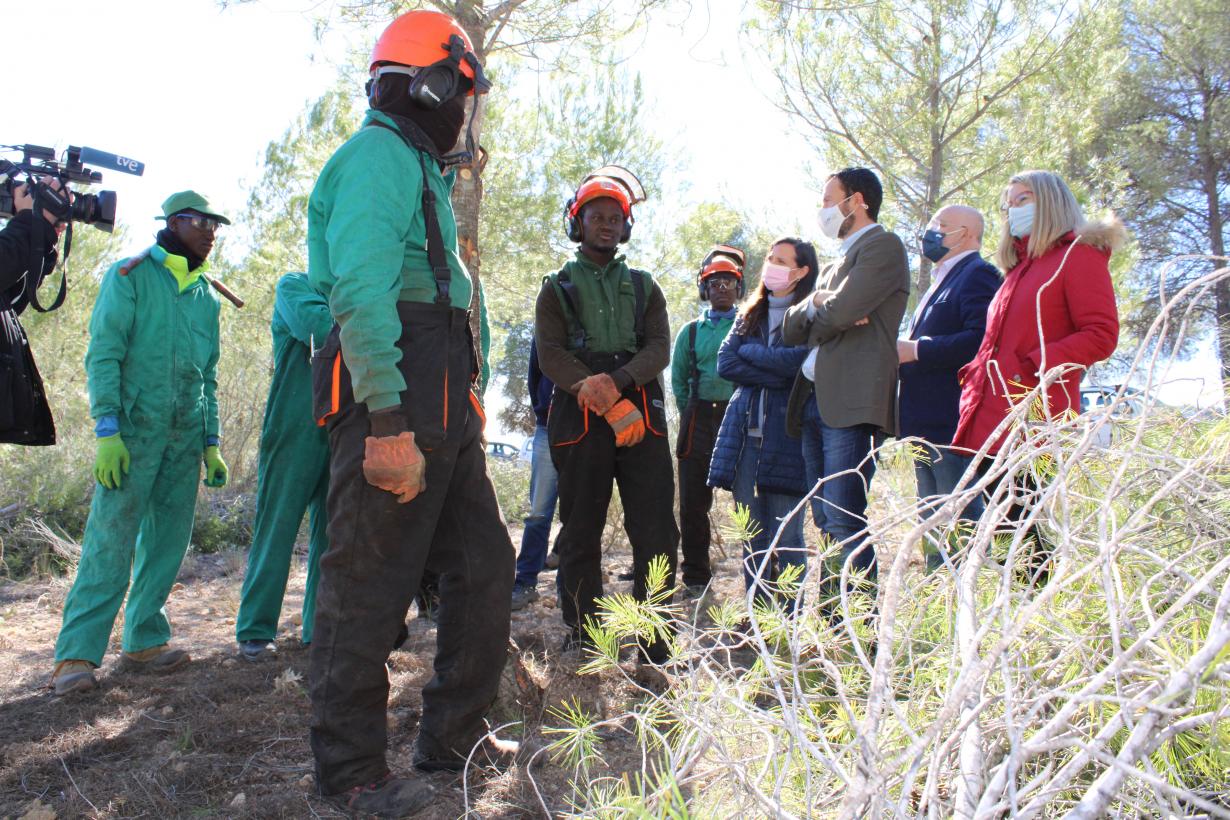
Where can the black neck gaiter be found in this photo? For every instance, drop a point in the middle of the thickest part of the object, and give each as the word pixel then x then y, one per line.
pixel 171 244
pixel 441 126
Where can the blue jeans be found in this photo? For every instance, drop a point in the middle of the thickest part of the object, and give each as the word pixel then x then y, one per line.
pixel 938 471
pixel 840 507
pixel 767 511
pixel 544 491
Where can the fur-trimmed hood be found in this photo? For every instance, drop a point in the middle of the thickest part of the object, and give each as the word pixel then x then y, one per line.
pixel 1108 234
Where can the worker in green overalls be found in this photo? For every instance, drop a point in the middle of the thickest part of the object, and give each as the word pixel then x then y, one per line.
pixel 293 475
pixel 151 369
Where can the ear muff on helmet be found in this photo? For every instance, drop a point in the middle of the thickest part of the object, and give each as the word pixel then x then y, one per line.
pixel 572 222
pixel 719 263
pixel 433 85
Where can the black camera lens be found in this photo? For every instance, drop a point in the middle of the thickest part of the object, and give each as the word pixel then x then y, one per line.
pixel 95 209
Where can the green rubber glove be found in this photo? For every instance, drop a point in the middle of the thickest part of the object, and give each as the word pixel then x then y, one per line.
pixel 111 461
pixel 215 468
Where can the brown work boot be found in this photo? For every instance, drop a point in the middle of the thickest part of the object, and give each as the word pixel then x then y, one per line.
pixel 73 676
pixel 160 659
pixel 387 797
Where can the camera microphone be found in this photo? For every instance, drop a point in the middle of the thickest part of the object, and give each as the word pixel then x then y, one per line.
pixel 114 162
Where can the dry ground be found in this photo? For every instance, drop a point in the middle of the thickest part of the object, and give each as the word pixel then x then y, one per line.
pixel 226 738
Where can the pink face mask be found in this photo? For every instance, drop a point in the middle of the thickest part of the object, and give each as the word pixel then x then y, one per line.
pixel 775 277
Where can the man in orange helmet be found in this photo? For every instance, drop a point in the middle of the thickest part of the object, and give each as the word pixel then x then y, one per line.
pixel 603 337
pixel 409 488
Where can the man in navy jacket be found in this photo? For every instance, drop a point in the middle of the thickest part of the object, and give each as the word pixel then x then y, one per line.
pixel 544 491
pixel 943 335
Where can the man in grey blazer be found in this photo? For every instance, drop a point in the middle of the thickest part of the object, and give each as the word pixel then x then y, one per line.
pixel 846 391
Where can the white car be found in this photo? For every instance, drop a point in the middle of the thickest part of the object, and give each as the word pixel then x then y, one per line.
pixel 1102 399
pixel 502 450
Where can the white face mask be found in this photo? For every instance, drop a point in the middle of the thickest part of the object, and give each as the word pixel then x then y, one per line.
pixel 831 219
pixel 1021 220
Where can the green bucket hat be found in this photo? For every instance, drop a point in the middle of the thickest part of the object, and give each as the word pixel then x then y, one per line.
pixel 189 201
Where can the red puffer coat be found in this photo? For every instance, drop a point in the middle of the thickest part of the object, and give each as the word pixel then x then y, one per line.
pixel 1079 323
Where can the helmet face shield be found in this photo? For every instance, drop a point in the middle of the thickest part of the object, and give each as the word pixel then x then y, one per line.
pixel 726 252
pixel 625 178
pixel 613 181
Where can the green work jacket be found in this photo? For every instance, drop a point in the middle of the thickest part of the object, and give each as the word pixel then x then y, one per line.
pixel 709 337
pixel 300 318
pixel 607 302
pixel 153 355
pixel 367 250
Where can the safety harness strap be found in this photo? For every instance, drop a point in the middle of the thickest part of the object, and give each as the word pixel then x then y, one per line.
pixel 638 318
pixel 436 257
pixel 694 365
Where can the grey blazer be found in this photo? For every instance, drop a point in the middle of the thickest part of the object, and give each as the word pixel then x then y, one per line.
pixel 856 366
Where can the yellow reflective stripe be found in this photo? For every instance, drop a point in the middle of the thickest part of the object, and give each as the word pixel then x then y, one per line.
pixel 178 266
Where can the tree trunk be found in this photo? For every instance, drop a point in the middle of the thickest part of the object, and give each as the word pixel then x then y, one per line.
pixel 468 189
pixel 1221 290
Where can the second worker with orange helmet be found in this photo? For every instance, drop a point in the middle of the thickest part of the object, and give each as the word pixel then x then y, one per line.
pixel 393 382
pixel 603 338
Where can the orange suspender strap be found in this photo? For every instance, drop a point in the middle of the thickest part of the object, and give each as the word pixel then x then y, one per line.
pixel 478 408
pixel 445 422
pixel 335 398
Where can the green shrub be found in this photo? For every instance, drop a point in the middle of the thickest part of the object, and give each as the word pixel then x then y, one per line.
pixel 511 479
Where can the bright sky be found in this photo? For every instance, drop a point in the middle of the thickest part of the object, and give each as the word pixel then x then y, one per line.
pixel 193 92
pixel 204 122
pixel 196 93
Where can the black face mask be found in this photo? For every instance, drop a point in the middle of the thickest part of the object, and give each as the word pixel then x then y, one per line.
pixel 171 244
pixel 442 125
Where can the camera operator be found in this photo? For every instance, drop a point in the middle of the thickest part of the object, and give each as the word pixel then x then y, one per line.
pixel 25 417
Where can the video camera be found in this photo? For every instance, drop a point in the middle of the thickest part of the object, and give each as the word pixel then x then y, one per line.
pixel 92 209
pixel 39 163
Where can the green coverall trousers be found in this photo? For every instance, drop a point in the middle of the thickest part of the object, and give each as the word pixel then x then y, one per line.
pixel 292 480
pixel 138 532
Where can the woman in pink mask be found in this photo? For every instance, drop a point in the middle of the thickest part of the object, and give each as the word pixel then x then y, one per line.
pixel 753 456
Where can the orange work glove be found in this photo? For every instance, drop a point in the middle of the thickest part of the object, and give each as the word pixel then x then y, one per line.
pixel 597 393
pixel 626 422
pixel 395 463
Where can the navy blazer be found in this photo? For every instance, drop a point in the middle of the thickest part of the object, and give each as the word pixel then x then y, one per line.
pixel 953 322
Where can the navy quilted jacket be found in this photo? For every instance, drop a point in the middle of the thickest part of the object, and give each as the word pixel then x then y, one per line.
pixel 763 370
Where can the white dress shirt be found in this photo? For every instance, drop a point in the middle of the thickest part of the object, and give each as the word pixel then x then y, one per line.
pixel 809 364
pixel 937 278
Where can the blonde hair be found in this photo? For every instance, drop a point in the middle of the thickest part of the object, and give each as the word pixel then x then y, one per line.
pixel 1056 212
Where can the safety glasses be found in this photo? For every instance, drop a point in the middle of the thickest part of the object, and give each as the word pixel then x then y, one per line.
pixel 201 223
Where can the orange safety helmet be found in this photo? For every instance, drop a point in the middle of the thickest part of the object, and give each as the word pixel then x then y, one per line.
pixel 421 38
pixel 597 188
pixel 721 264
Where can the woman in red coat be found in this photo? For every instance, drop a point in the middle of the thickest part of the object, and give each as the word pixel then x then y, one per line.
pixel 1057 282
